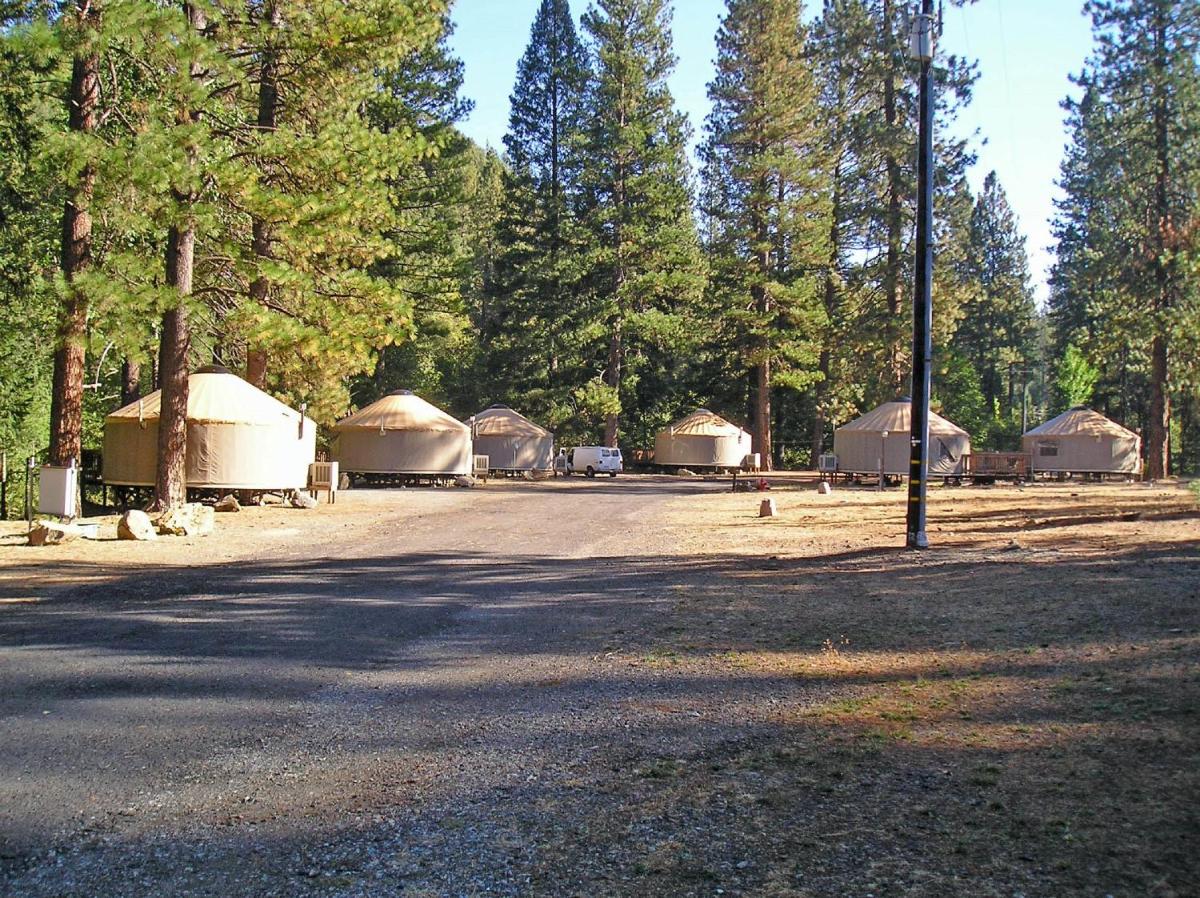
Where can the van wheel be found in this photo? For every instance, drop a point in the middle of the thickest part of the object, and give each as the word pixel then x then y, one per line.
pixel 612 473
pixel 591 472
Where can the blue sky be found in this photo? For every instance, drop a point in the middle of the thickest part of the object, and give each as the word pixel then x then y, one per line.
pixel 1026 50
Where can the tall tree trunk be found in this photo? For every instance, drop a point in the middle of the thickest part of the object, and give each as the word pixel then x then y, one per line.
pixel 174 343
pixel 612 424
pixel 66 403
pixel 761 434
pixel 616 347
pixel 892 287
pixel 170 482
pixel 261 241
pixel 1158 435
pixel 825 364
pixel 131 381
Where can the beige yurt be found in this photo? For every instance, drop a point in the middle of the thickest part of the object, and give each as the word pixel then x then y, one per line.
pixel 238 437
pixel 859 444
pixel 1081 441
pixel 701 440
pixel 511 441
pixel 402 434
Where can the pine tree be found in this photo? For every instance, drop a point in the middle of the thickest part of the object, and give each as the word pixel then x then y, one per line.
pixel 188 95
pixel 1125 274
pixel 352 112
pixel 997 327
pixel 766 184
pixel 79 25
pixel 528 329
pixel 645 269
pixel 844 98
pixel 31 207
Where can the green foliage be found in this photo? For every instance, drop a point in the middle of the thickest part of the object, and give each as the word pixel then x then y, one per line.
pixel 959 395
pixel 1075 379
pixel 354 204
pixel 30 205
pixel 996 332
pixel 533 331
pixel 644 272
pixel 766 202
pixel 1125 283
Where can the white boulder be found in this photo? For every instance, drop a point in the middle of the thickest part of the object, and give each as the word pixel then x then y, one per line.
pixel 137 525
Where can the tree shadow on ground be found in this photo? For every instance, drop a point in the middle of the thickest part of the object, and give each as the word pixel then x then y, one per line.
pixel 997 722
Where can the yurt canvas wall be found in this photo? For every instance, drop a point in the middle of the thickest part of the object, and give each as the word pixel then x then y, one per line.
pixel 511 441
pixel 402 434
pixel 238 437
pixel 858 445
pixel 702 440
pixel 1082 441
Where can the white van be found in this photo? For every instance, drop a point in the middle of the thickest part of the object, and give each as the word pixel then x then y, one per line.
pixel 593 460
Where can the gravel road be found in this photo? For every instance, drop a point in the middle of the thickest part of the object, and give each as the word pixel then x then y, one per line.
pixel 430 705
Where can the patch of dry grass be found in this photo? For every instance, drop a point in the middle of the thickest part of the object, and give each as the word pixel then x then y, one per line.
pixel 976 720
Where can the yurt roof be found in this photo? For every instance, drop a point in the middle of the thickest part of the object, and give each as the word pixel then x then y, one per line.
pixel 401 410
pixel 703 423
pixel 215 396
pixel 896 417
pixel 1081 421
pixel 502 421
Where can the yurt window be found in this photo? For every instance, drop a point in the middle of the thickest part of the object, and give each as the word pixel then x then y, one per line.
pixel 1047 449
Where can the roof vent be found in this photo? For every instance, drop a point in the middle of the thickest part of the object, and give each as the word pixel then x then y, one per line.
pixel 903 399
pixel 401 393
pixel 213 369
pixel 499 405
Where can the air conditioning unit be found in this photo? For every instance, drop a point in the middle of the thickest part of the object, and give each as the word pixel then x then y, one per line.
pixel 323 477
pixel 827 463
pixel 480 465
pixel 752 462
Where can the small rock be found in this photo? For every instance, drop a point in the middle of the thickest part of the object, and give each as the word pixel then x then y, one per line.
pixel 192 519
pixel 466 482
pixel 303 500
pixel 228 503
pixel 51 533
pixel 825 488
pixel 767 509
pixel 685 472
pixel 136 525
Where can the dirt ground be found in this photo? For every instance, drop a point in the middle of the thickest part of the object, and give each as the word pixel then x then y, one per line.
pixel 629 687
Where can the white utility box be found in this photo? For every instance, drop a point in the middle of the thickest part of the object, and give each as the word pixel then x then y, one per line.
pixel 57 491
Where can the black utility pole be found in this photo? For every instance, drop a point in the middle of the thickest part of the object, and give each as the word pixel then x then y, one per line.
pixel 921 49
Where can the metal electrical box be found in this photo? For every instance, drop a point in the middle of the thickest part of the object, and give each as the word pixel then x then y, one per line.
pixel 57 491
